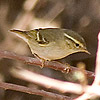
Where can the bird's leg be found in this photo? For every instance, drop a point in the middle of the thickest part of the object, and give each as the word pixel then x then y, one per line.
pixel 67 67
pixel 41 59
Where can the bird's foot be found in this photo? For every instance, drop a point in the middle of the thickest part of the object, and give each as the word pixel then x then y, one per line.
pixel 41 60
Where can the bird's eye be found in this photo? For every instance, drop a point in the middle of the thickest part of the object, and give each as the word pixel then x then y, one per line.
pixel 77 45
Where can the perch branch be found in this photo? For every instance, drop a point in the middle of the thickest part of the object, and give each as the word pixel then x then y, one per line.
pixel 34 61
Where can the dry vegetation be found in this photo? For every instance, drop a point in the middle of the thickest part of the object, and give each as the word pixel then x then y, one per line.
pixel 82 16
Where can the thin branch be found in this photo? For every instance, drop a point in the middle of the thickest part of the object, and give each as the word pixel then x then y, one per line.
pixel 34 61
pixel 97 70
pixel 33 91
pixel 62 86
pixel 47 82
pixel 96 84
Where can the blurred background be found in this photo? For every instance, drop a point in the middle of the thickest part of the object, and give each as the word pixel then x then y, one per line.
pixel 82 16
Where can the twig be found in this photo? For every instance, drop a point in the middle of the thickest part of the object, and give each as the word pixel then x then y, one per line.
pixel 96 84
pixel 47 82
pixel 34 61
pixel 97 70
pixel 62 86
pixel 33 91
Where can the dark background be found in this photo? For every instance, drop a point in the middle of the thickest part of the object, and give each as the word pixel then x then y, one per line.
pixel 82 16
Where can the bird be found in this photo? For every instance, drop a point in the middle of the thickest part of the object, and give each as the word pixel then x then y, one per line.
pixel 52 43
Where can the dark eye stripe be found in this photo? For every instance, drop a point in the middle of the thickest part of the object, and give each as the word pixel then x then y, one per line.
pixel 72 39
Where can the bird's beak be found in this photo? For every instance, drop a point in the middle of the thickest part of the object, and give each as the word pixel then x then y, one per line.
pixel 86 51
